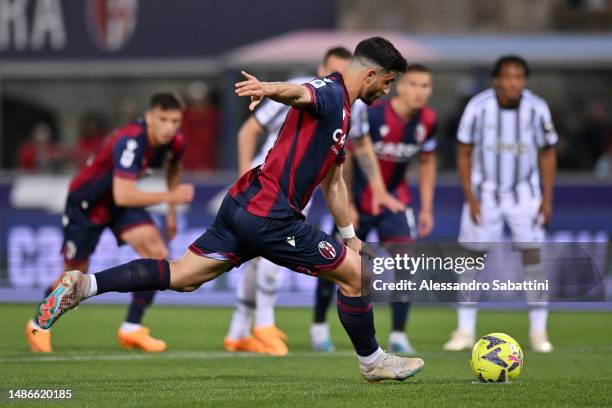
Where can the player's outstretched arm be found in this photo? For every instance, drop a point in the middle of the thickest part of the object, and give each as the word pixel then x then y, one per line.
pixel 126 194
pixel 283 92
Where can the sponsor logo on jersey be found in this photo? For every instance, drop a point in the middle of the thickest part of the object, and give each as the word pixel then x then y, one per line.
pixel 513 148
pixel 397 152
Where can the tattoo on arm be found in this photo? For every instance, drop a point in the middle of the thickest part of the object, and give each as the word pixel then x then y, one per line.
pixel 367 166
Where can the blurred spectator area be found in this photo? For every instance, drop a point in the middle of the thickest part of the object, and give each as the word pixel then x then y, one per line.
pixel 443 16
pixel 81 101
pixel 79 113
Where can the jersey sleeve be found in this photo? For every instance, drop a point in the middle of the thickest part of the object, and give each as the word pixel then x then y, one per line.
pixel 430 121
pixel 323 96
pixel 360 126
pixel 267 112
pixel 177 148
pixel 545 132
pixel 127 158
pixel 467 125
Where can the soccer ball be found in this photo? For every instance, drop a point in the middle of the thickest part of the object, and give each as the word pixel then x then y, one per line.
pixel 496 358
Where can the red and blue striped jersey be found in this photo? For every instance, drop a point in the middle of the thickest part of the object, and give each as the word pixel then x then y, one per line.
pixel 310 141
pixel 125 153
pixel 396 142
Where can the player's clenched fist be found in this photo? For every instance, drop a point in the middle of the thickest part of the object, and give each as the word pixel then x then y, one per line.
pixel 183 193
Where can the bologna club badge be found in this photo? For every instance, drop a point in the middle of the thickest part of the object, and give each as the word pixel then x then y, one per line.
pixel 327 250
pixel 112 23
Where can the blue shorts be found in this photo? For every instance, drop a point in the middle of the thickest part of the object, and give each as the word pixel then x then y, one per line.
pixel 81 234
pixel 398 227
pixel 238 236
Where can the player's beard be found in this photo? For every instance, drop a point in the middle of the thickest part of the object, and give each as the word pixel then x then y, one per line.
pixel 370 96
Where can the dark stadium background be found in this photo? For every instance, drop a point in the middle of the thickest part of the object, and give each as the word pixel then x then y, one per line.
pixel 70 71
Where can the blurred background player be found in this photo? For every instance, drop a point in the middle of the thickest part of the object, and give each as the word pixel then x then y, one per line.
pixel 392 135
pixel 256 290
pixel 104 194
pixel 506 138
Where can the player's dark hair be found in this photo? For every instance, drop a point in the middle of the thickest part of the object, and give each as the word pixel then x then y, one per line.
pixel 417 68
pixel 166 101
pixel 339 52
pixel 382 52
pixel 509 59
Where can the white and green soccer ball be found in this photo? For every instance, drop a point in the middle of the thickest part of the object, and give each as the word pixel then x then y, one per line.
pixel 496 358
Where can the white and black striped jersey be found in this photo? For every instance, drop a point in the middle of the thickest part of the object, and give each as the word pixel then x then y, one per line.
pixel 506 142
pixel 271 116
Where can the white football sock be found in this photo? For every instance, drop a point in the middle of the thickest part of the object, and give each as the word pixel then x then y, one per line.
pixel 537 320
pixel 93 286
pixel 242 318
pixel 367 360
pixel 319 332
pixel 398 337
pixel 268 281
pixel 467 319
pixel 130 327
pixel 240 325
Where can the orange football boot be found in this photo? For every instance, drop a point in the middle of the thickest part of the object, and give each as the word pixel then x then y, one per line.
pixel 140 339
pixel 38 339
pixel 269 336
pixel 249 344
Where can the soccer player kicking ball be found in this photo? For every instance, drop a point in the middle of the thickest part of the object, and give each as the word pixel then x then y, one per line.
pixel 104 194
pixel 261 214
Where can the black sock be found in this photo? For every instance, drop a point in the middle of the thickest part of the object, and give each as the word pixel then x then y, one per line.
pixel 323 297
pixel 399 315
pixel 135 276
pixel 357 318
pixel 140 302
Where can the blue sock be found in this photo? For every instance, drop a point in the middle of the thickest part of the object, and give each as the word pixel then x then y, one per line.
pixel 357 318
pixel 323 297
pixel 135 276
pixel 399 313
pixel 140 302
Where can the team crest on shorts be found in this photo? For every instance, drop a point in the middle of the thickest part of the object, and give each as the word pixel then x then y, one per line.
pixel 327 250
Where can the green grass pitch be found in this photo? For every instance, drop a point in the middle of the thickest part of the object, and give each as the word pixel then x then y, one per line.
pixel 196 372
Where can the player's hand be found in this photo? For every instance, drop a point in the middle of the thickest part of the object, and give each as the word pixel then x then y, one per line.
pixel 251 87
pixel 171 228
pixel 475 211
pixel 181 194
pixel 545 212
pixel 386 200
pixel 354 243
pixel 426 223
pixel 358 246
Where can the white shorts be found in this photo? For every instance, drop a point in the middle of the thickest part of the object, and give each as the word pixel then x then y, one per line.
pixel 521 217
